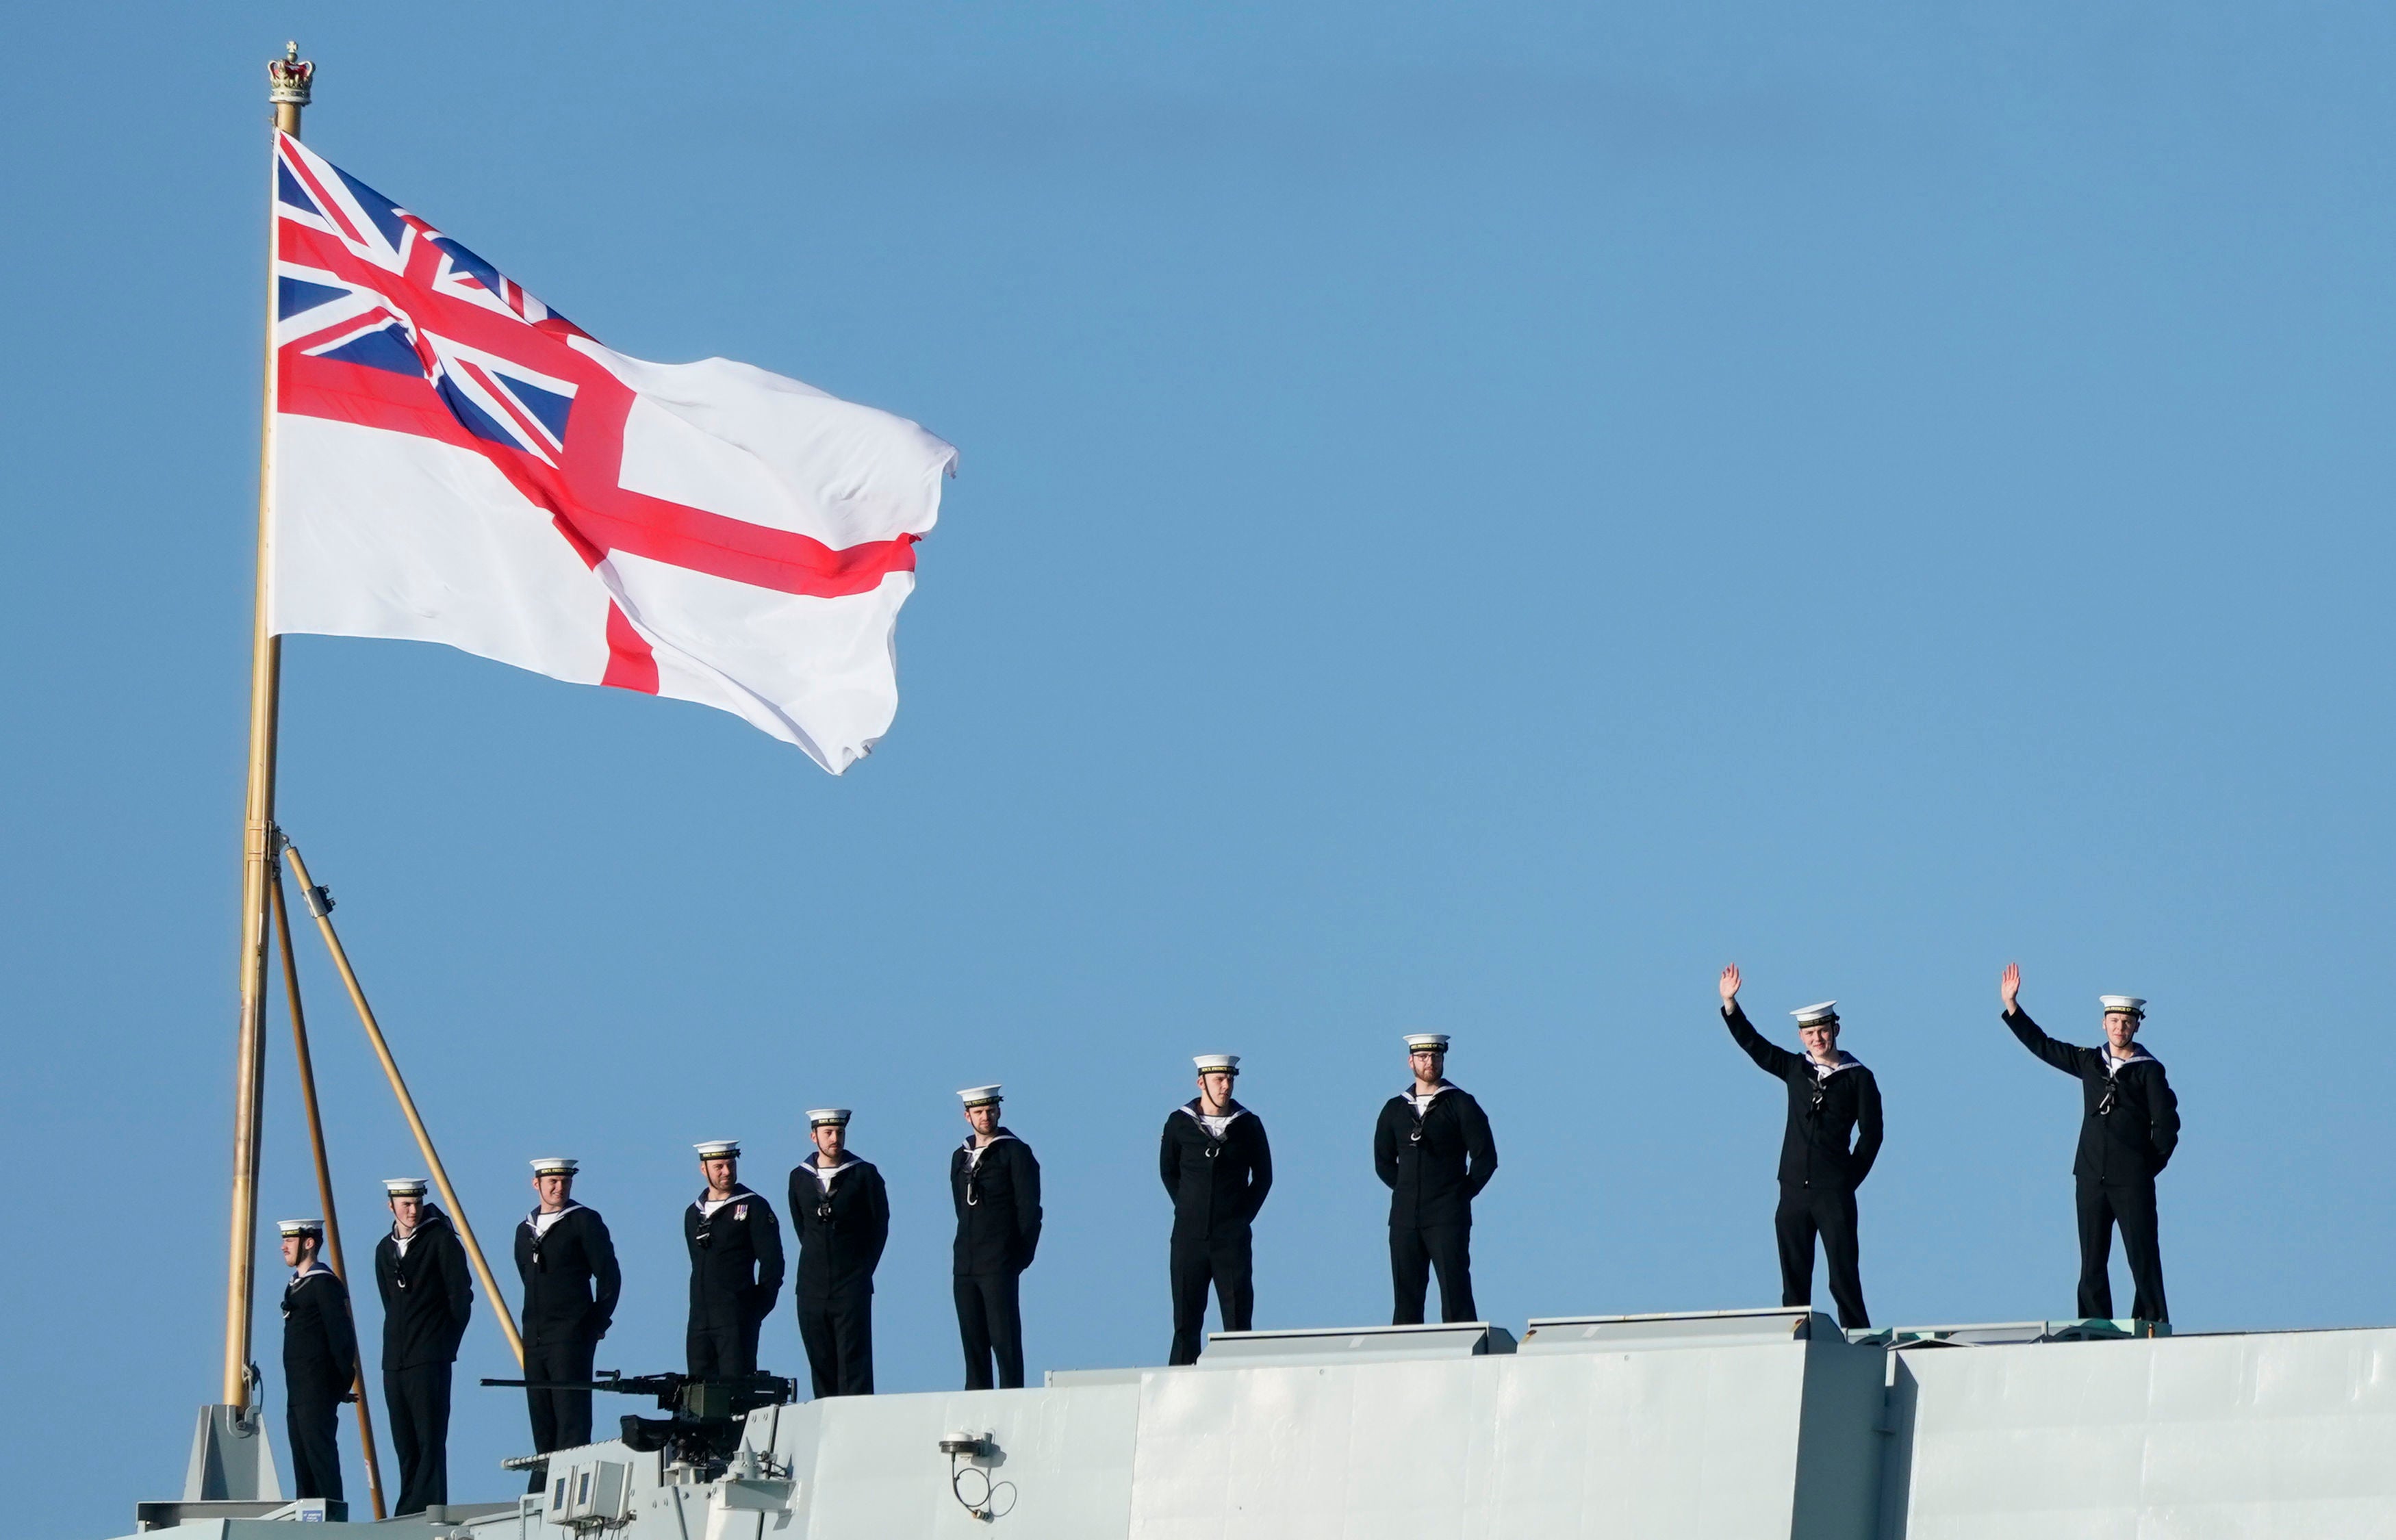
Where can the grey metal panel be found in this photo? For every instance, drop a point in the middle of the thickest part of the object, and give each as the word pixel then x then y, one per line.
pixel 1840 1443
pixel 1688 1329
pixel 1059 1378
pixel 1698 1444
pixel 1995 1334
pixel 232 1459
pixel 1723 1425
pixel 873 1468
pixel 2281 1435
pixel 1353 1345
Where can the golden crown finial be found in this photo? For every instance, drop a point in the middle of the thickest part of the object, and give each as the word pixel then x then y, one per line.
pixel 289 77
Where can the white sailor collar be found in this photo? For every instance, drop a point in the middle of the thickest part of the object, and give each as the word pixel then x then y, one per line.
pixel 315 1267
pixel 536 1216
pixel 707 1208
pixel 1002 1134
pixel 1232 1112
pixel 1823 1071
pixel 1419 1103
pixel 823 1175
pixel 2136 1056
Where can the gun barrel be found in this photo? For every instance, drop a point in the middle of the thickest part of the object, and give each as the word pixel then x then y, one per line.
pixel 653 1385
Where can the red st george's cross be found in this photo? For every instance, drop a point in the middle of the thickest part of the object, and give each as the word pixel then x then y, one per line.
pixel 384 321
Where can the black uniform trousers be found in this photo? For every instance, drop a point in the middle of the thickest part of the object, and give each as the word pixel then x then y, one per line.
pixel 2131 1206
pixel 419 1399
pixel 1415 1253
pixel 1826 1209
pixel 722 1352
pixel 311 1422
pixel 1226 1261
pixel 560 1419
pixel 990 1319
pixel 837 1329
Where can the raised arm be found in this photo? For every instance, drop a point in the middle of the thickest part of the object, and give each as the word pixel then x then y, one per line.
pixel 1776 1062
pixel 2063 1056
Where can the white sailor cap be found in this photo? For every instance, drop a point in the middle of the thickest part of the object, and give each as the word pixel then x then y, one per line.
pixel 555 1165
pixel 836 1116
pixel 1814 1016
pixel 1208 1064
pixel 403 1187
pixel 301 1227
pixel 1426 1042
pixel 718 1149
pixel 2124 1005
pixel 981 1096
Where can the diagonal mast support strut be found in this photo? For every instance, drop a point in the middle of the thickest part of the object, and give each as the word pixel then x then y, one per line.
pixel 324 1177
pixel 407 1102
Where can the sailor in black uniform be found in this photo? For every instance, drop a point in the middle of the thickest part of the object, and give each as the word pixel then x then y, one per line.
pixel 840 1212
pixel 1432 1150
pixel 736 1267
pixel 1832 1137
pixel 2129 1126
pixel 995 1182
pixel 319 1360
pixel 427 1295
pixel 568 1263
pixel 1216 1168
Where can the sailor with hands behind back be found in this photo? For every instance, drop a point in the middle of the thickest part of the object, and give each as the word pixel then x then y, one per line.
pixel 1216 1167
pixel 736 1267
pixel 996 1183
pixel 319 1360
pixel 840 1212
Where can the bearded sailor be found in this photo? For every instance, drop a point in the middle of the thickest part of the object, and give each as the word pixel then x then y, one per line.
pixel 1432 1149
pixel 567 1262
pixel 319 1360
pixel 995 1182
pixel 840 1212
pixel 736 1267
pixel 2129 1125
pixel 427 1295
pixel 1216 1167
pixel 1827 1150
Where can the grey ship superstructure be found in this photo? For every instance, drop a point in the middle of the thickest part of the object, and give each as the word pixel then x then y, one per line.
pixel 1725 1425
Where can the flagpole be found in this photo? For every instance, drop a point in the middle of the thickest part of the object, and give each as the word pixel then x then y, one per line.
pixel 289 79
pixel 324 1177
pixel 321 907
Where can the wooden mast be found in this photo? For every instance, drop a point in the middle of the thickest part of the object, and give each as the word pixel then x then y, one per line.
pixel 289 79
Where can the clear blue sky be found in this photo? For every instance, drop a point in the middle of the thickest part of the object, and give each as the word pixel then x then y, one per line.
pixel 1470 518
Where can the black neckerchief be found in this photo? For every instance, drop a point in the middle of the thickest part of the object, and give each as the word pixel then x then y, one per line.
pixel 1231 1112
pixel 705 1235
pixel 823 1186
